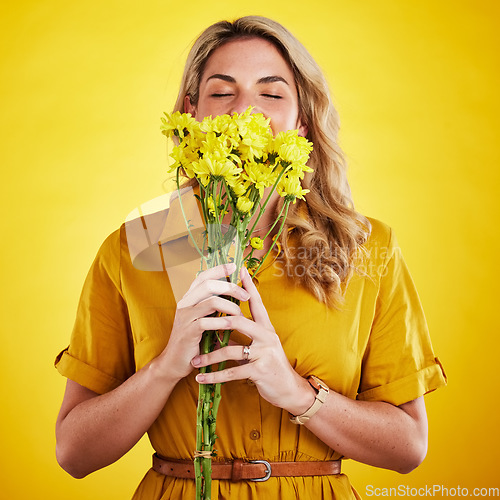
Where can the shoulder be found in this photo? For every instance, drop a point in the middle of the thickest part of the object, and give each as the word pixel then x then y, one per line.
pixel 380 248
pixel 381 238
pixel 111 244
pixel 106 265
pixel 380 233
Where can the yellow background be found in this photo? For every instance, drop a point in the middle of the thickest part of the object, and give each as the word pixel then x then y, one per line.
pixel 82 87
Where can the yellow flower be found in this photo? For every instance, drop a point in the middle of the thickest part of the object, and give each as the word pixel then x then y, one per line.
pixel 214 146
pixel 241 150
pixel 184 157
pixel 289 187
pixel 201 172
pixel 244 204
pixel 212 165
pixel 260 175
pixel 179 125
pixel 257 243
pixel 255 134
pixel 220 125
pixel 242 120
pixel 220 206
pixel 238 185
pixel 293 149
pixel 252 146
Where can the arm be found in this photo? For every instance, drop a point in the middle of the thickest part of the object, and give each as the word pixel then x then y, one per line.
pixel 375 433
pixel 93 431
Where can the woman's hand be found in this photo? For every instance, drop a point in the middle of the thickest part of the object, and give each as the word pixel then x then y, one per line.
pixel 193 317
pixel 266 364
pixel 95 430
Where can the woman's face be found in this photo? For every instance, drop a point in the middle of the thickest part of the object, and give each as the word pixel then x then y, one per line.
pixel 249 72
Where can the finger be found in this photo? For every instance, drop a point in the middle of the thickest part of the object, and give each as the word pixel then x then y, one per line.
pixel 235 353
pixel 241 372
pixel 212 323
pixel 214 273
pixel 210 288
pixel 257 308
pixel 215 304
pixel 249 328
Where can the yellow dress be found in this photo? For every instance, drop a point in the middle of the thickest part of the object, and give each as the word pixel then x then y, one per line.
pixel 376 348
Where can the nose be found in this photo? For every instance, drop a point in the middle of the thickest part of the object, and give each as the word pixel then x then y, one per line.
pixel 241 103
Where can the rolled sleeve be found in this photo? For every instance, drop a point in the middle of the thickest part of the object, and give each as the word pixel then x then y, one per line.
pixel 100 355
pixel 399 364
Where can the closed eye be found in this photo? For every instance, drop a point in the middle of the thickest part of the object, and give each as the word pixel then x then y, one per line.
pixel 220 95
pixel 272 96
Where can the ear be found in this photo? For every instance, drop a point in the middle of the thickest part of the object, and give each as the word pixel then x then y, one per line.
pixel 302 128
pixel 188 107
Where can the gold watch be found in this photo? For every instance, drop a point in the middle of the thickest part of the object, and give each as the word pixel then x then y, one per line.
pixel 322 390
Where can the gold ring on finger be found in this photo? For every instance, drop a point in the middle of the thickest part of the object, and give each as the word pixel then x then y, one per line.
pixel 246 352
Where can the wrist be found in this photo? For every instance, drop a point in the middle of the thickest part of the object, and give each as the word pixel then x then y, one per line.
pixel 162 371
pixel 321 390
pixel 302 398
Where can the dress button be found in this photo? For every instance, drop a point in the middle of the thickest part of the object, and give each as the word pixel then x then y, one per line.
pixel 255 434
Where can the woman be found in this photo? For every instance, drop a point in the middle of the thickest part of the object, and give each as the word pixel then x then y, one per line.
pixel 335 366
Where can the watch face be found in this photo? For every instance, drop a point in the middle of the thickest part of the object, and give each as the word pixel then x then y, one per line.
pixel 317 383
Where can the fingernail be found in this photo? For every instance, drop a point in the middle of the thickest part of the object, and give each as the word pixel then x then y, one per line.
pixel 200 378
pixel 245 295
pixel 196 361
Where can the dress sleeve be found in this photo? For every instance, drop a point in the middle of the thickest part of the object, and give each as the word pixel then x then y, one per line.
pixel 100 354
pixel 399 364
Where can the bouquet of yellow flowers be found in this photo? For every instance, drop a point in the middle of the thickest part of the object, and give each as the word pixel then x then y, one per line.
pixel 234 158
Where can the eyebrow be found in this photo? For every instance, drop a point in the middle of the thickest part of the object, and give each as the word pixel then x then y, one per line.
pixel 264 79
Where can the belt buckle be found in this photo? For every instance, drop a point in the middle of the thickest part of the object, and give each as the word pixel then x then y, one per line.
pixel 268 470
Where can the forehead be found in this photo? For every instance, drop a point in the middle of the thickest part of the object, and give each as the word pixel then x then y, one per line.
pixel 247 58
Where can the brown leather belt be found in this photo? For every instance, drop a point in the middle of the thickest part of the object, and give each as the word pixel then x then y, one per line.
pixel 241 470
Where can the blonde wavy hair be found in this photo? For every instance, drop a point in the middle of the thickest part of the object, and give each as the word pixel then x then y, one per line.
pixel 327 233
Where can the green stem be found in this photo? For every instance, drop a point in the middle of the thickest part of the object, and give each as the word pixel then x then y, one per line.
pixel 184 215
pixel 203 195
pixel 210 395
pixel 199 437
pixel 216 228
pixel 263 206
pixel 287 204
pixel 201 465
pixel 277 220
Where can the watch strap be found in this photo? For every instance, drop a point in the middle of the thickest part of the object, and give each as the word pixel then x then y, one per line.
pixel 322 390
